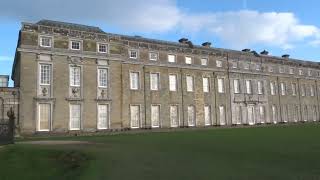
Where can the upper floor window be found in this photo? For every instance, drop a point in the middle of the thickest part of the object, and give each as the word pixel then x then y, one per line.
pixel 206 84
pixel 218 63
pixel 45 74
pixel 45 41
pixel 258 67
pixel 133 54
pixel 291 71
pixel 236 86
pixel 153 56
pixel 220 85
pixel 248 87
pixel 300 72
pixel 154 81
pixel 309 72
pixel 190 83
pixel 234 64
pixel 246 66
pixel 283 88
pixel 134 80
pixel 102 48
pixel 75 45
pixel 188 60
pixel 270 69
pixel 103 77
pixel 294 89
pixel 260 87
pixel 172 82
pixel 204 61
pixel 171 58
pixel 75 76
pixel 272 88
pixel 3 81
pixel 281 69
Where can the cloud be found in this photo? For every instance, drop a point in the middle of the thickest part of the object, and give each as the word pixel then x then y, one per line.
pixel 245 28
pixel 6 58
pixel 238 29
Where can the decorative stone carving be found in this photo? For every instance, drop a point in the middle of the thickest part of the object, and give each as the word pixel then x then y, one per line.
pixel 44 91
pixel 75 92
pixel 75 60
pixel 103 93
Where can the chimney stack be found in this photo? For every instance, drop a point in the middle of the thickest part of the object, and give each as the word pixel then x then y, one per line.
pixel 206 44
pixel 286 56
pixel 264 52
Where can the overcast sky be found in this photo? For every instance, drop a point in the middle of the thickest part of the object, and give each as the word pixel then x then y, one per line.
pixel 280 26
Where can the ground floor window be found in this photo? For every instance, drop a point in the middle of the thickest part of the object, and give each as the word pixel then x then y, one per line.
pixel 155 115
pixel 295 113
pixel 274 114
pixel 44 118
pixel 75 116
pixel 191 116
pixel 238 115
pixel 174 116
pixel 103 116
pixel 222 115
pixel 251 119
pixel 305 113
pixel 262 114
pixel 207 115
pixel 135 116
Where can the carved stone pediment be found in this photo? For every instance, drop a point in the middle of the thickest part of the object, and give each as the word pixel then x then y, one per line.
pixel 75 60
pixel 103 62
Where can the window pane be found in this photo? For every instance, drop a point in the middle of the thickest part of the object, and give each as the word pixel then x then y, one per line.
pixel 260 87
pixel 103 77
pixel 173 82
pixel 75 76
pixel 103 116
pixel 44 116
pixel 207 115
pixel 222 115
pixel 45 41
pixel 188 60
pixel 134 80
pixel 102 48
pixel 236 86
pixel 135 116
pixel 206 86
pixel 45 73
pixel 174 116
pixel 154 81
pixel 155 116
pixel 171 58
pixel 189 83
pixel 248 86
pixel 220 86
pixel 133 54
pixel 75 116
pixel 204 61
pixel 191 116
pixel 153 56
pixel 219 63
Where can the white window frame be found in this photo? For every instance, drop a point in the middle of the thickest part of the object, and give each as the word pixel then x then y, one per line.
pixel 206 84
pixel 204 61
pixel 41 37
pixel 262 114
pixel 193 115
pixel 260 87
pixel 222 115
pixel 48 75
pixel 309 72
pixel 153 53
pixel 75 41
pixel 258 67
pixel 220 82
pixel 207 114
pixel 73 81
pixel 300 72
pixel 219 63
pixel 132 51
pixel 173 87
pixel 188 60
pixel 248 86
pixel 177 115
pixel 303 90
pixel 174 58
pixel 131 80
pixel 39 117
pixel 281 69
pixel 107 116
pixel 283 88
pixel 102 44
pixel 294 89
pixel 246 65
pixel 101 84
pixel 291 70
pixel 139 114
pixel 274 114
pixel 272 88
pixel 155 87
pixel 190 87
pixel 70 116
pixel 158 117
pixel 235 64
pixel 236 86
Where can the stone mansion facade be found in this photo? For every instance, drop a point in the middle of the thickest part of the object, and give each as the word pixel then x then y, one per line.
pixel 79 78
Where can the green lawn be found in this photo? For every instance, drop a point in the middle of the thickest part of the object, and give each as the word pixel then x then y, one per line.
pixel 283 152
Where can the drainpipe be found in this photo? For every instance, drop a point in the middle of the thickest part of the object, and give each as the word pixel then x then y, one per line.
pixel 182 105
pixel 144 97
pixel 228 76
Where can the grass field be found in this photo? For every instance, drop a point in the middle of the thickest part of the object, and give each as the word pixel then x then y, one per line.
pixel 283 152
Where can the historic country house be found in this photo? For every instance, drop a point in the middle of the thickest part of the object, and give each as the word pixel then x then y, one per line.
pixel 76 78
